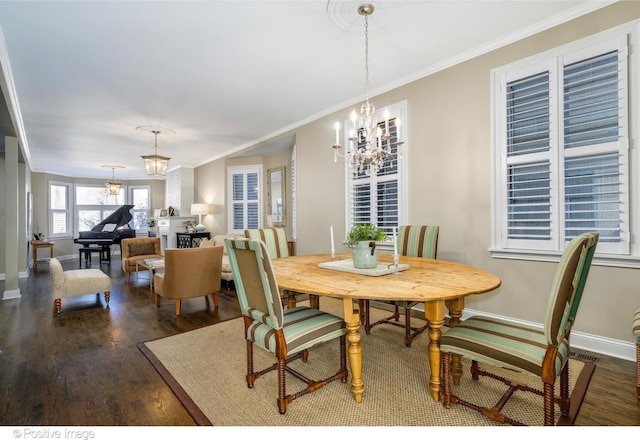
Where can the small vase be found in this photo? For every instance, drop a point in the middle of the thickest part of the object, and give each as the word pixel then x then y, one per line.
pixel 365 255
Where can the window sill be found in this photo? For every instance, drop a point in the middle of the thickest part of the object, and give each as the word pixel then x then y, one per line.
pixel 628 261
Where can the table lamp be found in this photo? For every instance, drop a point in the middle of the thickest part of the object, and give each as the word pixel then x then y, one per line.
pixel 199 209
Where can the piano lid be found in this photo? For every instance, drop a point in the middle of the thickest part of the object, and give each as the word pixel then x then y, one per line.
pixel 119 219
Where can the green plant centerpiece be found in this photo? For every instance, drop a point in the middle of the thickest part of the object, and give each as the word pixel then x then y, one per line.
pixel 362 239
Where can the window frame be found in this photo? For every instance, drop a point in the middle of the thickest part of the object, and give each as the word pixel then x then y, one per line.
pixel 244 170
pixel 129 192
pixel 108 208
pixel 396 111
pixel 626 255
pixel 68 210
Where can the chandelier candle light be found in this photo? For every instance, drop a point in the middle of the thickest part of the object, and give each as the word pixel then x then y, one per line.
pixel 113 185
pixel 365 128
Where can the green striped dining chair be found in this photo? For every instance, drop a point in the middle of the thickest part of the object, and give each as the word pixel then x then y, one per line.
pixel 505 344
pixel 287 334
pixel 275 240
pixel 412 241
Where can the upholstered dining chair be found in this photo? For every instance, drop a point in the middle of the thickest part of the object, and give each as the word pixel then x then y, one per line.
pixel 275 240
pixel 524 348
pixel 412 241
pixel 287 334
pixel 189 273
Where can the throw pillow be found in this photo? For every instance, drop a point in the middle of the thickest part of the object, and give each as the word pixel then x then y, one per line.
pixel 141 249
pixel 207 243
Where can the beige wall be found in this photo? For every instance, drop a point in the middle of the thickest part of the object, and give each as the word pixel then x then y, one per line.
pixel 450 183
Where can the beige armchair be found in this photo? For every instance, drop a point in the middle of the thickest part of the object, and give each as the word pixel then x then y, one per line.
pixel 189 273
pixel 137 249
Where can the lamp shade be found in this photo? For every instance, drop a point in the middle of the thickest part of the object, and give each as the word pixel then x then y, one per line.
pixel 199 209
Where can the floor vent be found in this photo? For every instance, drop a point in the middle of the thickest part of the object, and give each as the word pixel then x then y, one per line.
pixel 584 357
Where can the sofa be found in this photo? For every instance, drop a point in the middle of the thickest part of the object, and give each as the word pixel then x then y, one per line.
pixel 218 240
pixel 137 249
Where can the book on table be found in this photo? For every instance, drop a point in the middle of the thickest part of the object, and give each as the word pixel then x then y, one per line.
pixel 153 262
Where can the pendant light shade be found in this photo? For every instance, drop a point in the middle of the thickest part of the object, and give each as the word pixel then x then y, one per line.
pixel 154 164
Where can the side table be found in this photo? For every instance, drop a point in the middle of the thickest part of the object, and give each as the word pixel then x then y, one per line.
pixel 37 244
pixel 191 239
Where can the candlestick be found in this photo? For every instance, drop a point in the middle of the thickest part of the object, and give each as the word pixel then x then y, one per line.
pixel 395 248
pixel 333 249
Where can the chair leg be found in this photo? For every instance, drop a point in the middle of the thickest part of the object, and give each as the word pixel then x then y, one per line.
pixel 127 275
pixel 446 381
pixel 157 300
pixel 107 297
pixel 214 296
pixel 565 402
pixel 58 304
pixel 178 304
pixel 367 317
pixel 282 392
pixel 407 327
pixel 548 405
pixel 638 370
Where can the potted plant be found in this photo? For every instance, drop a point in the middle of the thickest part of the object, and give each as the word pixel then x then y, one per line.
pixel 362 239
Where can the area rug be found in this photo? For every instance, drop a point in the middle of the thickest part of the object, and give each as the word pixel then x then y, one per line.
pixel 206 370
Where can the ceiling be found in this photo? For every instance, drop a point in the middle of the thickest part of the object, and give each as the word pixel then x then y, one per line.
pixel 225 75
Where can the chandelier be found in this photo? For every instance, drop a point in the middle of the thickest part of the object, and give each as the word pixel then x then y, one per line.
pixel 113 185
pixel 369 143
pixel 155 164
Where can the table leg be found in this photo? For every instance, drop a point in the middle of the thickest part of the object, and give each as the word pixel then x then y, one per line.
pixel 151 280
pixel 455 307
pixel 354 350
pixel 434 312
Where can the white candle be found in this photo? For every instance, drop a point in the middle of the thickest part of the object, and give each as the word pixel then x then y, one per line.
pixel 337 133
pixel 395 247
pixel 386 121
pixel 333 249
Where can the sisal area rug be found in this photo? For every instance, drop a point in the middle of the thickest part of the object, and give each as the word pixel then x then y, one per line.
pixel 206 370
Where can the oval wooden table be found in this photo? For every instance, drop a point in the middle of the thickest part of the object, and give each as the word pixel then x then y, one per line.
pixel 436 283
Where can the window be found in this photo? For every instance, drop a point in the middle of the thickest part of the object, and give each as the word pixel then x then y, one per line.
pixel 59 209
pixel 140 199
pixel 561 149
pixel 245 195
pixel 380 198
pixel 94 204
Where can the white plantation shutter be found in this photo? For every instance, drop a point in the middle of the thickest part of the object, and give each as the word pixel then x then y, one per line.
pixel 244 196
pixel 378 198
pixel 562 138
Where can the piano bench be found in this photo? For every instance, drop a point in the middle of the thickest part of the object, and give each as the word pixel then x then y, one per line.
pixel 105 255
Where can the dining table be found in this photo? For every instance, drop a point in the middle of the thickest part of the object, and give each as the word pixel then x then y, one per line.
pixel 438 284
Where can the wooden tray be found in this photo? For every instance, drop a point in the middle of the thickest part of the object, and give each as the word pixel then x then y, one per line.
pixel 347 266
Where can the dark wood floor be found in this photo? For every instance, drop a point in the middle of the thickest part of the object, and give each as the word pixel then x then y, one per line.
pixel 82 367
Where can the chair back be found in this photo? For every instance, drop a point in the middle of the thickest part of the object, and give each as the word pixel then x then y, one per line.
pixel 56 273
pixel 275 240
pixel 192 272
pixel 418 241
pixel 568 285
pixel 255 281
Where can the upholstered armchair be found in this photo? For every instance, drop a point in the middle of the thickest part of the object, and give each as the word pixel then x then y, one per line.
pixel 189 273
pixel 413 241
pixel 137 249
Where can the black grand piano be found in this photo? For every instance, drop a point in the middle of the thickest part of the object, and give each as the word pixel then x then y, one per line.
pixel 111 230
